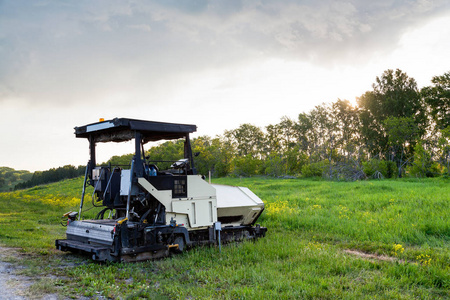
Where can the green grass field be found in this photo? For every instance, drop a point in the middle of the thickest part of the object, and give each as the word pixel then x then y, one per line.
pixel 326 240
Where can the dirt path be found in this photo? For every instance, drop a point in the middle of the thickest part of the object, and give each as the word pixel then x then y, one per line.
pixel 11 286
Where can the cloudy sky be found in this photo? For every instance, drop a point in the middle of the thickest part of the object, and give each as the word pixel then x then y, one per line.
pixel 216 64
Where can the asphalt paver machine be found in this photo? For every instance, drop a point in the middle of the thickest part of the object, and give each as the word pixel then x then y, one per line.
pixel 146 213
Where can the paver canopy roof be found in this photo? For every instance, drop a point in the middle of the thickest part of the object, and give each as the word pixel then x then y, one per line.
pixel 122 129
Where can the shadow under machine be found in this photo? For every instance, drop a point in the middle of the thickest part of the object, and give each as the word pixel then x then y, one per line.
pixel 144 212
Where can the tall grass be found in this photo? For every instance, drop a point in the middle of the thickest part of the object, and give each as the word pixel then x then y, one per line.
pixel 403 224
pixel 411 212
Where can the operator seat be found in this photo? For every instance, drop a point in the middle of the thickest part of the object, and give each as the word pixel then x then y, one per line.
pixel 151 170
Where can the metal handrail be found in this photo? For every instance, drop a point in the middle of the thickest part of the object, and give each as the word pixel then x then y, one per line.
pixel 84 191
pixel 129 189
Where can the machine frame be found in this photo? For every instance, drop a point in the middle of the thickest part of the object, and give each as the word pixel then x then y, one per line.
pixel 154 211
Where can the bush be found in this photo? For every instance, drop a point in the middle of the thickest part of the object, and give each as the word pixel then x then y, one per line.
pixel 245 166
pixel 375 166
pixel 348 171
pixel 315 169
pixel 274 165
pixel 422 165
pixel 433 170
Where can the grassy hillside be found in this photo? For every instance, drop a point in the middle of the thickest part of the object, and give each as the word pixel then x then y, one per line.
pixel 370 239
pixel 10 177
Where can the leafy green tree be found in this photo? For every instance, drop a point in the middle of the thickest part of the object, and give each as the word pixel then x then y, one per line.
pixel 215 156
pixel 287 133
pixel 224 155
pixel 394 95
pixel 330 131
pixel 246 165
pixel 423 166
pixel 305 133
pixel 401 132
pixel 274 165
pixel 272 140
pixel 437 97
pixel 444 143
pixel 169 151
pixel 347 123
pixel 317 132
pixel 295 160
pixel 204 162
pixel 247 139
pixel 325 130
pixel 120 160
pixel 281 147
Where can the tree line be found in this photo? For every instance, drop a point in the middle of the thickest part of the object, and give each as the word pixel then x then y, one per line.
pixel 395 129
pixel 51 175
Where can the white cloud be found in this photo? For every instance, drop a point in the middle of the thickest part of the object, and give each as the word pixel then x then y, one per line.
pixel 143 27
